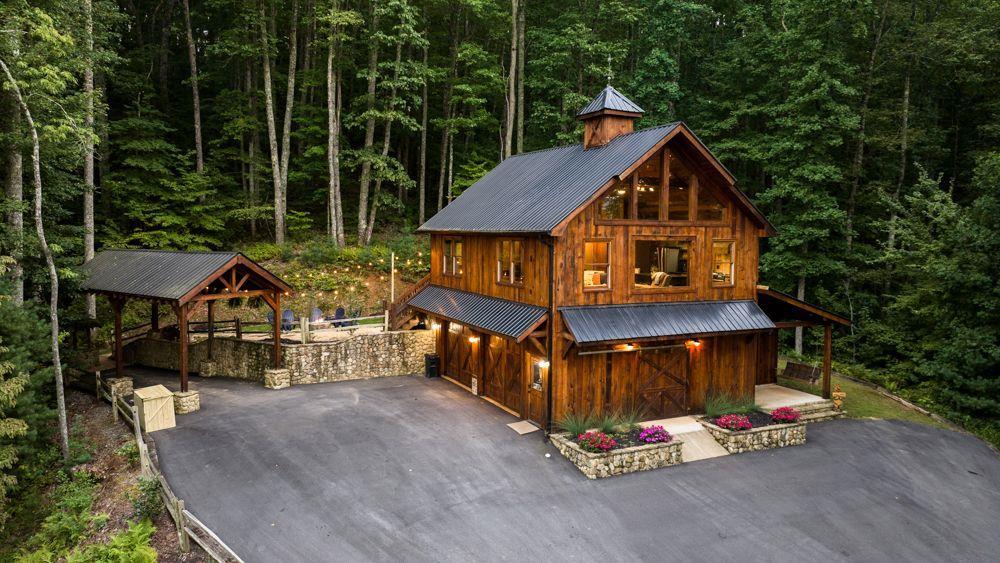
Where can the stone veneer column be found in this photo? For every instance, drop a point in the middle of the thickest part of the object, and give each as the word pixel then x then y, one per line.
pixel 186 401
pixel 277 378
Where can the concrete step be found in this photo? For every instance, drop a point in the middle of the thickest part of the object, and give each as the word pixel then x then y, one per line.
pixel 820 416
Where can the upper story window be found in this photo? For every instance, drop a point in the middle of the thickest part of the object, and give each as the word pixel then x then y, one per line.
pixel 723 262
pixel 679 200
pixel 649 184
pixel 510 257
pixel 452 257
pixel 661 263
pixel 596 264
pixel 617 202
pixel 709 206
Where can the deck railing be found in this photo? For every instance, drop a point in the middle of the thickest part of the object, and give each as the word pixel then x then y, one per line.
pixel 398 307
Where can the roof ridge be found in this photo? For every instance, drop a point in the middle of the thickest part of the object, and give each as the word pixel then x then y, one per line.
pixel 650 128
pixel 167 251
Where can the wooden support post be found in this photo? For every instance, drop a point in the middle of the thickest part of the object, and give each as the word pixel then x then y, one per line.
pixel 277 330
pixel 182 325
pixel 211 328
pixel 827 358
pixel 116 306
pixel 154 317
pixel 182 536
pixel 239 328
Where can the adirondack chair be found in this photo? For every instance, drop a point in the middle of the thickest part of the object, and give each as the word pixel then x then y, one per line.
pixel 316 315
pixel 337 315
pixel 287 320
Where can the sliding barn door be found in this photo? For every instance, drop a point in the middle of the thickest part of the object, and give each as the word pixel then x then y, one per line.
pixel 662 382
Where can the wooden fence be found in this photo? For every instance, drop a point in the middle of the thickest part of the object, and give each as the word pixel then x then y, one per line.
pixel 188 526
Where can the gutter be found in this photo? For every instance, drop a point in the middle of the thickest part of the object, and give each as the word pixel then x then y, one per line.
pixel 551 338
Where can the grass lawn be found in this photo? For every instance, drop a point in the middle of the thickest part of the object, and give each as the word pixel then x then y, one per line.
pixel 865 402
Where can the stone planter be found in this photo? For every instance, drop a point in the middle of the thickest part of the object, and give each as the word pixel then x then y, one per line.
pixel 756 439
pixel 186 402
pixel 618 462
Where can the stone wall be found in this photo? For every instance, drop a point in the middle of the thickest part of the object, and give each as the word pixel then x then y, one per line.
pixel 363 356
pixel 618 462
pixel 756 439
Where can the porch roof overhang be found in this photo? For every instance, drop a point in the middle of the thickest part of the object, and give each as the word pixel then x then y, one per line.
pixel 644 322
pixel 788 311
pixel 493 315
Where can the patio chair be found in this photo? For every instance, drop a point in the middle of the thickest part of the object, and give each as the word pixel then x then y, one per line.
pixel 316 315
pixel 287 320
pixel 270 318
pixel 337 315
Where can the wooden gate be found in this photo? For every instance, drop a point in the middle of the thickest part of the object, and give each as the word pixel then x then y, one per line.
pixel 662 382
pixel 459 356
pixel 504 382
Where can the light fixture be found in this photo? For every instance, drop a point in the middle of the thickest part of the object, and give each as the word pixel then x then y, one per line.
pixel 473 339
pixel 694 343
pixel 544 364
pixel 628 347
pixel 435 326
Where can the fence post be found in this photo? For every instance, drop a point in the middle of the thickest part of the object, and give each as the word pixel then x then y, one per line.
pixel 304 327
pixel 385 322
pixel 182 536
pixel 97 388
pixel 239 328
pixel 114 404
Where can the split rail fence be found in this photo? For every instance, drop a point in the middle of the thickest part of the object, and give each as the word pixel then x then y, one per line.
pixel 188 526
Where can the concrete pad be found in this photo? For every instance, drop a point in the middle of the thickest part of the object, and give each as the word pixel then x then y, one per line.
pixel 676 425
pixel 772 396
pixel 700 445
pixel 523 427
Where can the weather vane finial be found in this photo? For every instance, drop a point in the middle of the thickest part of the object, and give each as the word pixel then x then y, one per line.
pixel 609 69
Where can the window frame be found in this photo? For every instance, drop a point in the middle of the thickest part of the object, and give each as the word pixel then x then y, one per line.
pixel 449 259
pixel 732 267
pixel 692 261
pixel 499 267
pixel 607 266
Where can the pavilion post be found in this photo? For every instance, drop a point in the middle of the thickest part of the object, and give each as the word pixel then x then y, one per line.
pixel 277 330
pixel 827 358
pixel 182 325
pixel 116 306
pixel 211 328
pixel 154 317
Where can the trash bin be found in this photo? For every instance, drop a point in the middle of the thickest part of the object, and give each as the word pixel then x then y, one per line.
pixel 155 407
pixel 432 365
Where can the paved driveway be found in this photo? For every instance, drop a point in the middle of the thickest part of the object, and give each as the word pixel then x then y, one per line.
pixel 414 469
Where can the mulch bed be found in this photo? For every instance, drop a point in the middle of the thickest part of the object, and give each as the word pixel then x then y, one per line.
pixel 759 419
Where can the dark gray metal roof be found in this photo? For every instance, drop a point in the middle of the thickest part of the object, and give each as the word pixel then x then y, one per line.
pixel 533 192
pixel 616 323
pixel 160 274
pixel 492 314
pixel 612 99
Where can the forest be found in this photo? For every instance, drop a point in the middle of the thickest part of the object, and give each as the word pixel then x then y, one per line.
pixel 868 131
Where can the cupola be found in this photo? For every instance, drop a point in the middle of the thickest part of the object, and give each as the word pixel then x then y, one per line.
pixel 607 116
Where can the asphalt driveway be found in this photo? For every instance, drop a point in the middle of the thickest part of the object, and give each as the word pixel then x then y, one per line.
pixel 414 469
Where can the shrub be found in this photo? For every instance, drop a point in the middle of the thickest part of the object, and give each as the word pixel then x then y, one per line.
pixel 575 424
pixel 70 520
pixel 146 501
pixel 654 435
pixel 596 442
pixel 718 404
pixel 630 416
pixel 733 422
pixel 262 251
pixel 785 415
pixel 607 423
pixel 130 451
pixel 130 546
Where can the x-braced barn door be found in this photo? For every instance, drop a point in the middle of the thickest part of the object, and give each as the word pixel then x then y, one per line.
pixel 662 378
pixel 503 373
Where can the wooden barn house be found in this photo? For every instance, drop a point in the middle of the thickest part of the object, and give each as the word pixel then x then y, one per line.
pixel 616 273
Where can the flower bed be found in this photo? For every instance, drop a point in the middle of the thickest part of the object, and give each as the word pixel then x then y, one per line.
pixel 610 455
pixel 739 433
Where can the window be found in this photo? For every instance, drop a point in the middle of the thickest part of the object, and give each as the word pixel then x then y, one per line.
pixel 679 200
pixel 723 262
pixel 452 257
pixel 617 203
pixel 648 187
pixel 596 264
pixel 661 263
pixel 510 254
pixel 709 206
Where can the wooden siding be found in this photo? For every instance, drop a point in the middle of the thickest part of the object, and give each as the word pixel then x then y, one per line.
pixel 479 259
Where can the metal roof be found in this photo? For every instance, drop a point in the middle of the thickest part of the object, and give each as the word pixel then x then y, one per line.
pixel 611 99
pixel 617 323
pixel 781 306
pixel 491 314
pixel 159 274
pixel 533 192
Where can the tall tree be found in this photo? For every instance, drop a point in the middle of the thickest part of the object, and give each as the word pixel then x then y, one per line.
pixel 89 135
pixel 511 108
pixel 195 95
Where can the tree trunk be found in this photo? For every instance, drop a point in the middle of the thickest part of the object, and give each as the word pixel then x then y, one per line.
pixel 251 85
pixel 904 134
pixel 49 262
pixel 386 139
pixel 800 294
pixel 335 229
pixel 338 205
pixel 508 130
pixel 88 153
pixel 520 76
pixel 422 182
pixel 366 165
pixel 14 189
pixel 286 132
pixel 272 134
pixel 199 158
pixel 446 113
pixel 164 66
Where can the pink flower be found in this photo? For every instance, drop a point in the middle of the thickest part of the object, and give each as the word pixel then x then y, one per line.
pixel 785 415
pixel 654 435
pixel 733 422
pixel 596 442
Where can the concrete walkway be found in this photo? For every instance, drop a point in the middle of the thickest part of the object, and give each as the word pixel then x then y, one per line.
pixel 417 470
pixel 771 396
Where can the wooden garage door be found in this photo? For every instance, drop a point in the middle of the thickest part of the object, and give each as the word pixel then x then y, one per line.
pixel 461 360
pixel 662 382
pixel 504 383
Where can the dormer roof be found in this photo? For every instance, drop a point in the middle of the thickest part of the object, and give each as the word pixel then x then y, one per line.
pixel 610 99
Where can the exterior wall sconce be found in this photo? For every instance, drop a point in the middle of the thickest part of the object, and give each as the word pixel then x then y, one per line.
pixel 435 326
pixel 473 339
pixel 628 347
pixel 693 343
pixel 544 364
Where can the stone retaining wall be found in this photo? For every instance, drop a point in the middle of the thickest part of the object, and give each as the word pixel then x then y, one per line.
pixel 618 462
pixel 363 356
pixel 756 439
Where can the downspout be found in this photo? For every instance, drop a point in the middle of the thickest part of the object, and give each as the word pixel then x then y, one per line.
pixel 551 338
